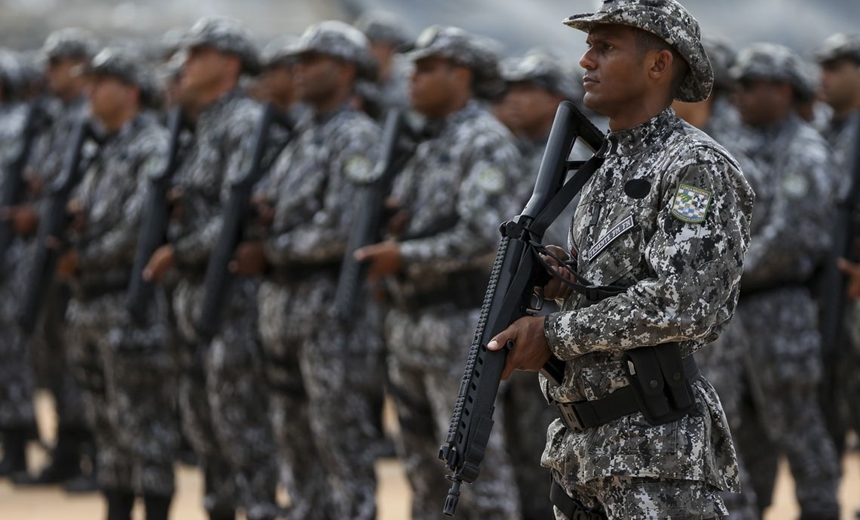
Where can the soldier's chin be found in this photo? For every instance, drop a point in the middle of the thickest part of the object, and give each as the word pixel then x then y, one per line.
pixel 592 102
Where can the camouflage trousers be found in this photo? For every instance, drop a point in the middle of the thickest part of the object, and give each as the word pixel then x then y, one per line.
pixel 224 403
pixel 781 413
pixel 327 382
pixel 127 377
pixel 625 498
pixel 16 375
pixel 428 350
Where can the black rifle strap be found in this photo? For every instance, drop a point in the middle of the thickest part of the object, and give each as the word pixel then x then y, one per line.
pixel 592 293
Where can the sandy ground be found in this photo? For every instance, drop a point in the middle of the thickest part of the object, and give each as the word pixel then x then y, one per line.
pixel 394 495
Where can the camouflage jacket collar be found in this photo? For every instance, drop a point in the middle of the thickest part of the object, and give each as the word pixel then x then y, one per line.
pixel 316 119
pixel 634 140
pixel 470 111
pixel 212 113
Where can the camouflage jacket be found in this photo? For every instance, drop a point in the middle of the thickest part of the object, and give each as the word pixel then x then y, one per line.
pixel 222 148
pixel 111 195
pixel 50 149
pixel 312 184
pixel 457 188
pixel 678 250
pixel 794 204
pixel 13 117
pixel 842 137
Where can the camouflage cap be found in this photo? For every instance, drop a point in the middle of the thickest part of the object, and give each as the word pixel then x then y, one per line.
pixel 771 62
pixel 543 69
pixel 839 46
pixel 722 56
pixel 668 20
pixel 281 50
pixel 340 40
pixel 228 37
pixel 475 52
pixel 70 42
pixel 11 73
pixel 128 68
pixel 382 26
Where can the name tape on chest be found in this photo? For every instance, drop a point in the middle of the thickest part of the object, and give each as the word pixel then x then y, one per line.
pixel 691 204
pixel 609 237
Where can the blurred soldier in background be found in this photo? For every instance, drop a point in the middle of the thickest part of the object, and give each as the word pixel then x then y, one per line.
pixel 125 371
pixel 277 81
pixel 224 407
pixel 326 376
pixel 450 198
pixel 782 355
pixel 67 52
pixel 388 39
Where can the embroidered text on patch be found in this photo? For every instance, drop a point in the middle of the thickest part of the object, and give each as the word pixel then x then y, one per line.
pixel 691 204
pixel 610 236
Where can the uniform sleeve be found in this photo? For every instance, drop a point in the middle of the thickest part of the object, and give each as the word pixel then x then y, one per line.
pixel 486 197
pixel 317 231
pixel 695 267
pixel 795 235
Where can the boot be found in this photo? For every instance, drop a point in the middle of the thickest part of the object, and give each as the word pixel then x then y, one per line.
pixel 14 453
pixel 119 504
pixel 65 462
pixel 157 506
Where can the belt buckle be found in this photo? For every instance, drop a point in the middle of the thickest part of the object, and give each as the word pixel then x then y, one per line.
pixel 569 416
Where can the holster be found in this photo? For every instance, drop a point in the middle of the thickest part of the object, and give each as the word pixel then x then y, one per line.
pixel 662 381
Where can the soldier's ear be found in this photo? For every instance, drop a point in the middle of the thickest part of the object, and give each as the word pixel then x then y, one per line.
pixel 660 63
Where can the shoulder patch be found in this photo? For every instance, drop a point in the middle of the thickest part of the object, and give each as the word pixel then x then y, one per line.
pixel 691 204
pixel 358 168
pixel 492 180
pixel 795 185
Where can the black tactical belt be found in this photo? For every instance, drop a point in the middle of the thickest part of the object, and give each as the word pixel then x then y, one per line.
pixel 572 509
pixel 293 273
pixel 582 415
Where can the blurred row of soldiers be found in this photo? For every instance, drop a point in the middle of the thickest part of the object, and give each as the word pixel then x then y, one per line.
pixel 286 392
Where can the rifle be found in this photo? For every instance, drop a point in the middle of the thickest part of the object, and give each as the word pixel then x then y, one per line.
pixel 516 273
pixel 53 225
pixel 153 232
pixel 397 147
pixel 14 183
pixel 236 213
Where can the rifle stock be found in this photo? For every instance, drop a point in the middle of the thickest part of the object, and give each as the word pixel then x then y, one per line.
pixel 508 297
pixel 218 278
pixel 52 227
pixel 153 231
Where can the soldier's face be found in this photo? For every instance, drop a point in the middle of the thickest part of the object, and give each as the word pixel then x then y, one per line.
pixel 532 108
pixel 63 75
pixel 431 85
pixel 109 97
pixel 840 84
pixel 318 77
pixel 762 103
pixel 279 82
pixel 615 74
pixel 204 67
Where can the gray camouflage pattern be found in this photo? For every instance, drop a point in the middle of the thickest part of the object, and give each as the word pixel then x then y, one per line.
pixel 341 40
pixel 474 158
pixel 332 374
pixel 771 62
pixel 70 42
pixel 839 46
pixel 383 26
pixel 544 70
pixel 668 20
pixel 227 36
pixel 682 284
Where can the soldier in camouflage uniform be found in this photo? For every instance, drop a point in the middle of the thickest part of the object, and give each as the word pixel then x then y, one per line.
pixel 222 398
pixel 388 40
pixel 17 422
pixel 452 194
pixel 665 220
pixel 67 51
pixel 125 372
pixel 782 352
pixel 325 375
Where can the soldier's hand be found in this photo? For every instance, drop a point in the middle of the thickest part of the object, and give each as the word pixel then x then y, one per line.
pixel 161 262
pixel 265 214
pixel 384 259
pixel 250 259
pixel 398 219
pixel 555 289
pixel 25 220
pixel 35 182
pixel 851 269
pixel 528 349
pixel 67 265
pixel 79 219
pixel 174 198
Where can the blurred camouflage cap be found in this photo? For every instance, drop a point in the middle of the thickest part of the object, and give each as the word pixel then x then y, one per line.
pixel 281 50
pixel 382 26
pixel 771 62
pixel 840 46
pixel 478 53
pixel 722 56
pixel 228 37
pixel 11 73
pixel 129 68
pixel 542 69
pixel 668 20
pixel 340 40
pixel 70 42
pixel 807 87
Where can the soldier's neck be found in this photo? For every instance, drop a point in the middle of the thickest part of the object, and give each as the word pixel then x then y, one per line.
pixel 216 92
pixel 331 103
pixel 115 122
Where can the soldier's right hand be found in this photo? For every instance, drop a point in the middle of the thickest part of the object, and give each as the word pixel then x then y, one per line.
pixel 555 289
pixel 851 269
pixel 250 259
pixel 162 261
pixel 25 220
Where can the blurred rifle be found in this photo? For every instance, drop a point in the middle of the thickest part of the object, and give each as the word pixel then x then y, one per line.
pixel 156 217
pixel 216 284
pixel 53 226
pixel 510 293
pixel 398 144
pixel 14 183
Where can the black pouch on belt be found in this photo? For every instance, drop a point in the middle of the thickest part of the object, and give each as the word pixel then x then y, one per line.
pixel 662 381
